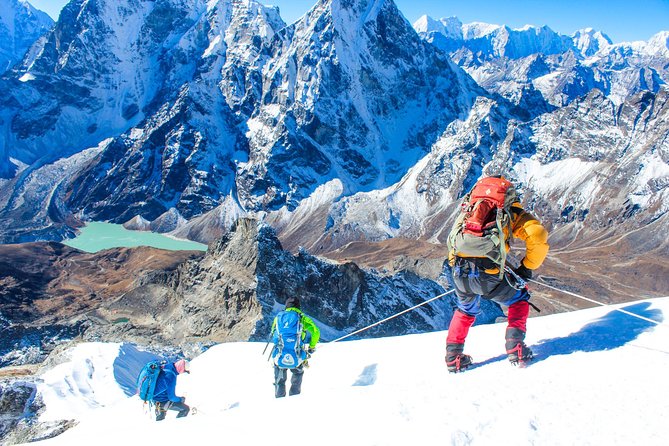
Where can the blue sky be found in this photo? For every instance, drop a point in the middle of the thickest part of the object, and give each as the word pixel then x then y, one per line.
pixel 621 20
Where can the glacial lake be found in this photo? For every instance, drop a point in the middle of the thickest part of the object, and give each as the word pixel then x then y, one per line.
pixel 96 236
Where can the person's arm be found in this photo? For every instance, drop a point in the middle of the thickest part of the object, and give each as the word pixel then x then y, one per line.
pixel 528 229
pixel 273 332
pixel 311 327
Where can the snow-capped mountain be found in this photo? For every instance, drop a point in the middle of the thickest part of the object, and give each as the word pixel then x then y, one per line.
pixel 345 127
pixel 181 158
pixel 589 42
pixel 521 63
pixel 20 26
pixel 153 70
pixel 223 106
pixel 329 97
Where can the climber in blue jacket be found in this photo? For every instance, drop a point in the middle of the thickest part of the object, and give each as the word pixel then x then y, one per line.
pixel 164 395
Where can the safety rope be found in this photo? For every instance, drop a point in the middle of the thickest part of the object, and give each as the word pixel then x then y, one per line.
pixel 393 316
pixel 598 303
pixel 530 280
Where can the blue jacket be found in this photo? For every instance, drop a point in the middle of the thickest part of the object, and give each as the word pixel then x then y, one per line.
pixel 166 384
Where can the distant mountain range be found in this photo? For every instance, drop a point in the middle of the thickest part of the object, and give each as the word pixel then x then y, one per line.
pixel 347 128
pixel 519 63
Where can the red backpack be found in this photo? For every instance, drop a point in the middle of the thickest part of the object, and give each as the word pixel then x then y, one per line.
pixel 479 229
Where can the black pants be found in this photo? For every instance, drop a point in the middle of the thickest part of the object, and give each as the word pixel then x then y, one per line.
pixel 280 376
pixel 162 408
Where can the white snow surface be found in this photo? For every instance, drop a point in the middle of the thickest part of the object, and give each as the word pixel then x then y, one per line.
pixel 599 378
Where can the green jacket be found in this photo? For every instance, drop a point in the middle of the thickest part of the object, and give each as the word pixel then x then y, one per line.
pixel 308 325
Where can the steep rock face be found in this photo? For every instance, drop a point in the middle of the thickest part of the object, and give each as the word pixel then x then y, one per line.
pixel 352 94
pixel 165 79
pixel 182 156
pixel 20 26
pixel 89 80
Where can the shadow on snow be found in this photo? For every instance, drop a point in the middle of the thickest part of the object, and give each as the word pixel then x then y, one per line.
pixel 127 366
pixel 612 330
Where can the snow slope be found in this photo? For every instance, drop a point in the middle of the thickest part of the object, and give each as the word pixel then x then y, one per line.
pixel 600 378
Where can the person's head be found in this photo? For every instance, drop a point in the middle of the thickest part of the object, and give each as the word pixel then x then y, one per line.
pixel 293 302
pixel 182 366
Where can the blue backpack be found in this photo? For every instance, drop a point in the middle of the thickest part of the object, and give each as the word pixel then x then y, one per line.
pixel 146 381
pixel 289 352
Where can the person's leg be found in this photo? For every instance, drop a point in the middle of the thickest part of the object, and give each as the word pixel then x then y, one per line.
pixel 161 410
pixel 465 277
pixel 518 312
pixel 456 360
pixel 182 408
pixel 463 319
pixel 280 376
pixel 296 380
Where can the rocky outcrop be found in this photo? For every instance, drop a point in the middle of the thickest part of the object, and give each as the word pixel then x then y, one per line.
pixel 20 406
pixel 229 294
pixel 234 291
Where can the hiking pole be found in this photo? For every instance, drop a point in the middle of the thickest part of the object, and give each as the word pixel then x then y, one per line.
pixel 265 349
pixel 266 345
pixel 393 316
pixel 596 302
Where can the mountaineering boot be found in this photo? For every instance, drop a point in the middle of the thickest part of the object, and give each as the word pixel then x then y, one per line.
pixel 516 350
pixel 456 360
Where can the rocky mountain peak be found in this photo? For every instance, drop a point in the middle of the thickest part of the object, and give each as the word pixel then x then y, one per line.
pixel 588 41
pixel 659 44
pixel 20 26
pixel 346 80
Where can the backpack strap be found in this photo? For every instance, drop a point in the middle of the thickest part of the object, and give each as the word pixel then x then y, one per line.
pixel 501 213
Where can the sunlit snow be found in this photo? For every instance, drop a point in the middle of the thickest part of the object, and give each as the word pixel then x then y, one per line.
pixel 599 379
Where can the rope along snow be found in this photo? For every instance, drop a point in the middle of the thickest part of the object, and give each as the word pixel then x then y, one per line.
pixel 393 316
pixel 531 280
pixel 596 302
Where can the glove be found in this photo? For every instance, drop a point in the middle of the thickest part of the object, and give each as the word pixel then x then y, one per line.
pixel 523 272
pixel 311 350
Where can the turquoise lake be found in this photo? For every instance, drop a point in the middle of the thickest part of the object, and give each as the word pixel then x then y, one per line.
pixel 96 236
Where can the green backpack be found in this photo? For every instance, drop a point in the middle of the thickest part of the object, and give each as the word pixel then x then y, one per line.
pixel 479 229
